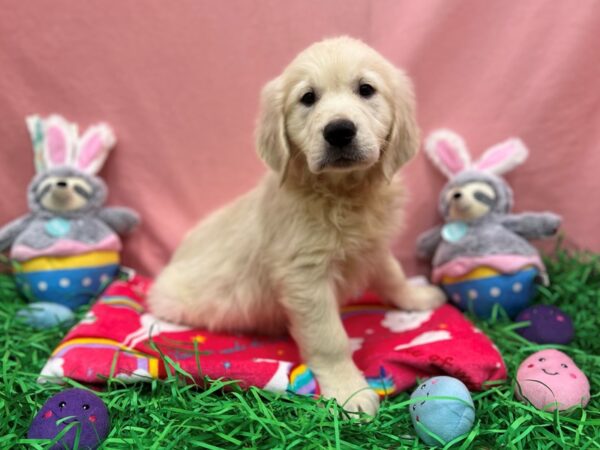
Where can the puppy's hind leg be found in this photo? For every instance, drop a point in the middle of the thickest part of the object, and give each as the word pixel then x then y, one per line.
pixel 316 326
pixel 172 298
pixel 391 284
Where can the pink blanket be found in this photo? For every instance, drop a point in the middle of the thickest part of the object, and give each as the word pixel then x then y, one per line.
pixel 393 348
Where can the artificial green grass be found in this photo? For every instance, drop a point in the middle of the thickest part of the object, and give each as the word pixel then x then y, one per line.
pixel 172 415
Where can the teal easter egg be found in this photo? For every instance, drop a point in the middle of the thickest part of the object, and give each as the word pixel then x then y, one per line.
pixel 454 231
pixel 58 227
pixel 45 315
pixel 437 421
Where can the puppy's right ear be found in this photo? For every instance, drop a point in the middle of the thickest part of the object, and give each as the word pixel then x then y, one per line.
pixel 271 138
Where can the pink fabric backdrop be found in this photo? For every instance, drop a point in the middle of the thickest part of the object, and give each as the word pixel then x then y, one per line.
pixel 180 81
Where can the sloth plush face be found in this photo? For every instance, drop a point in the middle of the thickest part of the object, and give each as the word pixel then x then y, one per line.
pixel 64 193
pixel 470 201
pixel 472 195
pixel 66 190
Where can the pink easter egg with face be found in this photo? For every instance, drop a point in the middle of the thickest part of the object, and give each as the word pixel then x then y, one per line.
pixel 550 380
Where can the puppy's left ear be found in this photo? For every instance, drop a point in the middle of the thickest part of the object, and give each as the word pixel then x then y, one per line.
pixel 271 138
pixel 403 140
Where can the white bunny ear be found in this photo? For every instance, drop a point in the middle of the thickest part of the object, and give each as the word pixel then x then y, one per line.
pixel 448 151
pixel 53 141
pixel 503 157
pixel 94 147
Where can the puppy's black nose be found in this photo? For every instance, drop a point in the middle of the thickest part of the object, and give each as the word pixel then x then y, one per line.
pixel 457 195
pixel 61 184
pixel 339 132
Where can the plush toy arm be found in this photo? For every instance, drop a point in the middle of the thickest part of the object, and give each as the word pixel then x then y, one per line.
pixel 428 241
pixel 533 225
pixel 10 231
pixel 120 219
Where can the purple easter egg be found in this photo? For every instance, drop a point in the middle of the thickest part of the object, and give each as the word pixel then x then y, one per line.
pixel 549 325
pixel 84 409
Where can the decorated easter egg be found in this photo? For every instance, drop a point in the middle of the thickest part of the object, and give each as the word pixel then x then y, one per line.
pixel 71 281
pixel 302 380
pixel 440 420
pixel 480 290
pixel 81 410
pixel 45 315
pixel 550 380
pixel 549 325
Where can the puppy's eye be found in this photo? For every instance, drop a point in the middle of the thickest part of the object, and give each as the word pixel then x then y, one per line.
pixel 542 359
pixel 308 99
pixel 366 90
pixel 564 366
pixel 61 405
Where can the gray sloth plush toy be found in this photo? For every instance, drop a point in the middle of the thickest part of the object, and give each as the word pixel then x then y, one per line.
pixel 481 256
pixel 67 248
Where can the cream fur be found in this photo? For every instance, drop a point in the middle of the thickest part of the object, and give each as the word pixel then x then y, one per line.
pixel 308 237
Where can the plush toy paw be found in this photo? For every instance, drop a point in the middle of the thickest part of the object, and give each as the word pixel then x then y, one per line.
pixel 553 222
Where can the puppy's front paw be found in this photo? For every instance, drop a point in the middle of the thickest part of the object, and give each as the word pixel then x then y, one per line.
pixel 351 391
pixel 419 298
pixel 366 401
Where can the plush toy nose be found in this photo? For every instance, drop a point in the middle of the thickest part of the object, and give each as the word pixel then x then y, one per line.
pixel 61 184
pixel 339 132
pixel 457 195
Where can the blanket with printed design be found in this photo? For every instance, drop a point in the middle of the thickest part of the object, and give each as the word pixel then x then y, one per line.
pixel 119 338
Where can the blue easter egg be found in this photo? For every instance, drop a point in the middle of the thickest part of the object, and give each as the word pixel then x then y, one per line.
pixel 71 286
pixel 480 292
pixel 45 315
pixel 454 231
pixel 446 418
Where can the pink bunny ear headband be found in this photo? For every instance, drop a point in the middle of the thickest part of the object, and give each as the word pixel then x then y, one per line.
pixel 447 150
pixel 56 142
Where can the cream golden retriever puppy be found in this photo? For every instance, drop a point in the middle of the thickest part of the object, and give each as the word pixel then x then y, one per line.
pixel 334 128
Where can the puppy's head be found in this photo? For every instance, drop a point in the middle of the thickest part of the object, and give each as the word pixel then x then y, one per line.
pixel 338 107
